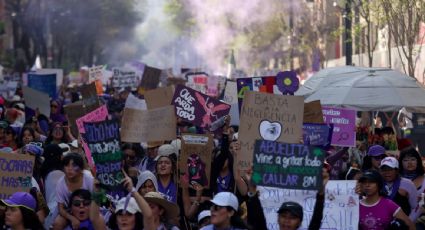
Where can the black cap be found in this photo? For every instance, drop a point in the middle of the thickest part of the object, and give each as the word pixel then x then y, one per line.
pixel 294 208
pixel 371 175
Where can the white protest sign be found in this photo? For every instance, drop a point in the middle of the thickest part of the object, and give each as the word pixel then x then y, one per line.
pixel 231 98
pixel 133 102
pixel 341 211
pixel 96 73
pixel 36 99
pixel 124 78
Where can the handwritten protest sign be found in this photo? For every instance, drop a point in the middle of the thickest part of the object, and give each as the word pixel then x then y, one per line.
pixel 35 99
pixel 344 120
pixel 15 173
pixel 197 108
pixel 134 102
pixel 148 125
pixel 317 134
pixel 195 158
pixel 89 95
pixel 313 112
pixel 150 79
pixel 269 117
pixel 159 97
pixel 99 114
pixel 124 78
pixel 103 139
pixel 341 209
pixel 231 98
pixel 43 82
pixel 96 76
pixel 283 165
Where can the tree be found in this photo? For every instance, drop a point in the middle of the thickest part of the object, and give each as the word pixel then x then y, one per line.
pixel 403 19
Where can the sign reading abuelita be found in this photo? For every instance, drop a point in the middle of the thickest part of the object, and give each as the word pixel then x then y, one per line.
pixel 103 139
pixel 283 165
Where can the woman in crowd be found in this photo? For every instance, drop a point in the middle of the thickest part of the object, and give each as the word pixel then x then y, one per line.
pixel 376 211
pixel 400 190
pixel 20 212
pixel 166 169
pixel 373 158
pixel 56 112
pixel 84 210
pixel 59 134
pixel 27 136
pixel 132 156
pixel 126 218
pixel 10 138
pixel 74 178
pixel 146 182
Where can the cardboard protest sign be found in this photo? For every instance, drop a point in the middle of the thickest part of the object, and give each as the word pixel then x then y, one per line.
pixel 15 173
pixel 44 83
pixel 133 102
pixel 148 125
pixel 35 99
pixel 96 76
pixel 295 166
pixel 313 112
pixel 124 78
pixel 159 97
pixel 99 114
pixel 231 98
pixel 89 95
pixel 344 120
pixel 317 134
pixel 197 108
pixel 103 139
pixel 196 157
pixel 150 79
pixel 269 117
pixel 341 209
pixel 74 111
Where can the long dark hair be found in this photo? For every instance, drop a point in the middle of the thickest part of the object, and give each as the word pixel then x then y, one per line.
pixel 411 151
pixel 114 226
pixel 21 135
pixel 64 138
pixel 30 219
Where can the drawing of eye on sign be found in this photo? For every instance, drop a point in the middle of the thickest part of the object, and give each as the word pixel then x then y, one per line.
pixel 344 121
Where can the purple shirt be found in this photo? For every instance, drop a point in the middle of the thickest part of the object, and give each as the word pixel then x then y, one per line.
pixel 170 192
pixel 377 216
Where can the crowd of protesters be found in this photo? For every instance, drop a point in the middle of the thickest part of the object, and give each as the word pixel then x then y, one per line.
pixel 66 195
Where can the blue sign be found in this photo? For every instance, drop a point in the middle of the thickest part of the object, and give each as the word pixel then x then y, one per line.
pixel 317 134
pixel 43 82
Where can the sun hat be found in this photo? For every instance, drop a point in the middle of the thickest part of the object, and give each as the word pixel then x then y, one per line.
pixel 21 199
pixel 171 209
pixel 132 206
pixel 293 207
pixel 226 199
pixel 389 162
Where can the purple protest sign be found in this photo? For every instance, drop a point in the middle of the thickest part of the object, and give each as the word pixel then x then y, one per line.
pixel 197 108
pixel 317 134
pixel 344 120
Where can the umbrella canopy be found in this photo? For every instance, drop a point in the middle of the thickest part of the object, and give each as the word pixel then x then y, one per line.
pixel 365 89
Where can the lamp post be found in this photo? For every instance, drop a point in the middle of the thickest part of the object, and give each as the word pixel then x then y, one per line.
pixel 348 36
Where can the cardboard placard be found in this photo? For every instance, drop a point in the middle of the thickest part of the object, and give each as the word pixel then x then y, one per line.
pixel 95 73
pixel 197 108
pixel 344 120
pixel 269 117
pixel 124 78
pixel 317 134
pixel 159 97
pixel 43 82
pixel 195 158
pixel 150 79
pixel 148 125
pixel 283 165
pixel 16 173
pixel 134 102
pixel 89 95
pixel 341 209
pixel 231 98
pixel 99 114
pixel 313 112
pixel 36 99
pixel 103 139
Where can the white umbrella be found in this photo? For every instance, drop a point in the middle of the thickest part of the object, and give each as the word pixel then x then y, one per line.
pixel 366 89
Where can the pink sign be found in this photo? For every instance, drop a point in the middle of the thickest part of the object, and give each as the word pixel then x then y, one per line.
pixel 99 114
pixel 344 120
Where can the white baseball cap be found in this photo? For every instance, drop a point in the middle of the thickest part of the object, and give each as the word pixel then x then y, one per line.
pixel 203 214
pixel 390 162
pixel 226 199
pixel 132 206
pixel 166 150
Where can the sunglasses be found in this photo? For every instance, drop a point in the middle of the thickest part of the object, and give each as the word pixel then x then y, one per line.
pixel 78 203
pixel 217 207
